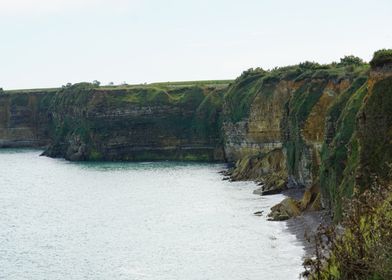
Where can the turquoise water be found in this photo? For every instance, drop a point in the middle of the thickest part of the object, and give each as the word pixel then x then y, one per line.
pixel 62 220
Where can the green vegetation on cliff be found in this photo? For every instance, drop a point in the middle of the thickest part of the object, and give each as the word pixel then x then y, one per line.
pixel 375 133
pixel 360 148
pixel 362 248
pixel 241 92
pixel 338 154
pixel 381 58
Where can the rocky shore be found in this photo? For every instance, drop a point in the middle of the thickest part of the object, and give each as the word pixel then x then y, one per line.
pixel 303 223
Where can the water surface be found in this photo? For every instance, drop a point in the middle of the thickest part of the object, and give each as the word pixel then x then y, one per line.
pixel 62 220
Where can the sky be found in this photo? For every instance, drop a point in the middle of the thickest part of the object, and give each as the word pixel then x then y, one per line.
pixel 48 43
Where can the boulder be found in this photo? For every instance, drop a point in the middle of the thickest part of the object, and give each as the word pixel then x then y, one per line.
pixel 288 208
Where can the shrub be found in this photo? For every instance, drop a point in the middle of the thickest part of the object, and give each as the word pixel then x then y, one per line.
pixel 381 58
pixel 363 248
pixel 251 72
pixel 308 65
pixel 68 85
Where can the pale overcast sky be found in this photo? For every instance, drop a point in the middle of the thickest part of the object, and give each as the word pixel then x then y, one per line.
pixel 47 43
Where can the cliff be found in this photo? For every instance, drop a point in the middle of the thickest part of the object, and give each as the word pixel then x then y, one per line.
pixel 323 128
pixel 138 123
pixel 278 138
pixel 356 176
pixel 23 119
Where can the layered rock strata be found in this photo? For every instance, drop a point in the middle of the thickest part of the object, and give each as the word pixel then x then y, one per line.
pixel 323 128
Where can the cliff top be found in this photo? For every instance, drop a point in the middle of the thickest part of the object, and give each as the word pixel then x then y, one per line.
pixel 162 85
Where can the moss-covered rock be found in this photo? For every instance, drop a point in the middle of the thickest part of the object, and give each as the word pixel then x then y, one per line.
pixel 267 169
pixel 274 183
pixel 285 210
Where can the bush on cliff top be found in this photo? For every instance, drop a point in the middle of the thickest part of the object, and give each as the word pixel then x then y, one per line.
pixel 381 58
pixel 251 72
pixel 351 60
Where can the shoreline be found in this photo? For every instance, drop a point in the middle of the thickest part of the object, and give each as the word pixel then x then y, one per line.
pixel 305 225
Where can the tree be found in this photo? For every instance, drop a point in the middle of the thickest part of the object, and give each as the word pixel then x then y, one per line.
pixel 96 83
pixel 349 60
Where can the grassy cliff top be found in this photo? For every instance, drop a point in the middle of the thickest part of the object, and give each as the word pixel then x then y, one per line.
pixel 161 85
pixel 241 93
pixel 348 66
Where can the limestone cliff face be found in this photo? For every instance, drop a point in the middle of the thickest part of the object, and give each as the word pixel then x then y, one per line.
pixel 313 128
pixel 23 119
pixel 136 124
pixel 255 142
pixel 285 121
pixel 260 132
